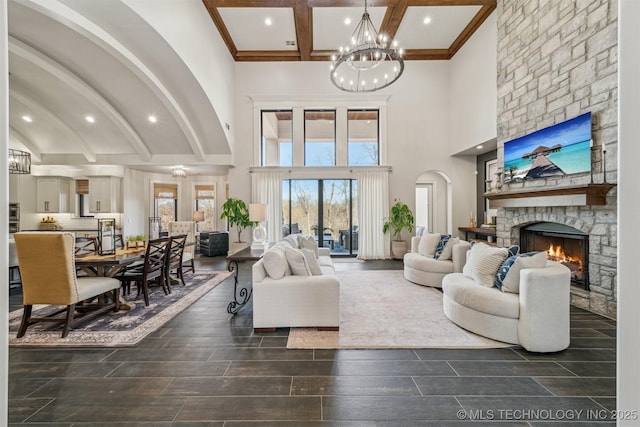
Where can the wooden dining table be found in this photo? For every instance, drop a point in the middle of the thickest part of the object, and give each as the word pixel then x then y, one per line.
pixel 109 265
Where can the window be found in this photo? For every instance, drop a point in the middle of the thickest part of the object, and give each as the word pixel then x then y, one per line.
pixel 319 138
pixel 206 202
pixel 166 204
pixel 276 147
pixel 363 145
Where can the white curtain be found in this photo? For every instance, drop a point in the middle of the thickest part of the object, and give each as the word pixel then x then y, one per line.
pixel 373 208
pixel 266 187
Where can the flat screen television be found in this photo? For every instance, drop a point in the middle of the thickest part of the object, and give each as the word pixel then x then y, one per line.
pixel 558 150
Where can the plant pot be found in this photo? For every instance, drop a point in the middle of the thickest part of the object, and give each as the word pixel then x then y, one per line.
pixel 399 248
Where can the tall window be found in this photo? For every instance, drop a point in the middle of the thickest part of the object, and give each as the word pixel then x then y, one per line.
pixel 206 202
pixel 276 147
pixel 166 203
pixel 363 146
pixel 319 138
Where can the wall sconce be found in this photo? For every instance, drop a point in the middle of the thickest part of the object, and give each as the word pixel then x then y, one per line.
pixel 258 214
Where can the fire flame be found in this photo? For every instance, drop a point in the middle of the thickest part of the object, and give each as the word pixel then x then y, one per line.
pixel 555 253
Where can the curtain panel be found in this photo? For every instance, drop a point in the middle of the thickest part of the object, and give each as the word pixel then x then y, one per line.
pixel 266 187
pixel 373 207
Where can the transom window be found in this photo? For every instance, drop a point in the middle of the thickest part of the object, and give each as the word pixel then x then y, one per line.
pixel 319 138
pixel 363 142
pixel 276 142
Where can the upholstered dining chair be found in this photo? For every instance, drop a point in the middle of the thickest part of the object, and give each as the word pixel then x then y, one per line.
pixel 174 258
pixel 14 266
pixel 189 253
pixel 49 277
pixel 152 268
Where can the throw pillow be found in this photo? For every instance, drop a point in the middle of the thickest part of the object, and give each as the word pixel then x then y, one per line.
pixel 428 243
pixel 297 262
pixel 308 243
pixel 312 262
pixel 508 276
pixel 483 263
pixel 275 263
pixel 448 249
pixel 444 239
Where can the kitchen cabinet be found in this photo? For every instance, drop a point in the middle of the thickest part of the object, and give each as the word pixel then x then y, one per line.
pixel 53 194
pixel 104 194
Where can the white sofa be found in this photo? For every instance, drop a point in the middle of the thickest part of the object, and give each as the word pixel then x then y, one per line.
pixel 537 317
pixel 295 300
pixel 424 269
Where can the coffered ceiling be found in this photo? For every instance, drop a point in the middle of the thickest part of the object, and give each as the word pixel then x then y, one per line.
pixel 312 30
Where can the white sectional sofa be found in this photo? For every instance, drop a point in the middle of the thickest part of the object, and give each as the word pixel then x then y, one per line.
pixel 534 314
pixel 294 300
pixel 421 267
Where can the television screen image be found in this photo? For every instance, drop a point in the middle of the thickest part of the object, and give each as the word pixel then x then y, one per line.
pixel 561 149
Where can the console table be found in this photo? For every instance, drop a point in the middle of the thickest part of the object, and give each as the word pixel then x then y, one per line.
pixel 244 255
pixel 479 233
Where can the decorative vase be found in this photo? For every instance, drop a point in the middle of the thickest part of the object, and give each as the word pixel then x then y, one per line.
pixel 399 248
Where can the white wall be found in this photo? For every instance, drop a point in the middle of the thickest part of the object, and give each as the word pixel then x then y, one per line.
pixel 628 363
pixel 416 130
pixel 473 89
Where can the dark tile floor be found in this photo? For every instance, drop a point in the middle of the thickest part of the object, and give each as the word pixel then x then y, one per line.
pixel 208 368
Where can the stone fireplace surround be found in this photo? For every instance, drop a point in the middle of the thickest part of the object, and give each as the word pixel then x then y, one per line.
pixel 599 222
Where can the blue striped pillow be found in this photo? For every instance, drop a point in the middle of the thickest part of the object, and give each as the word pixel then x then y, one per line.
pixel 443 242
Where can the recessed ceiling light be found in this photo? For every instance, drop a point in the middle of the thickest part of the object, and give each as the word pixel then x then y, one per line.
pixel 268 22
pixel 27 119
pixel 153 119
pixel 427 20
pixel 479 147
pixel 90 119
pixel 347 21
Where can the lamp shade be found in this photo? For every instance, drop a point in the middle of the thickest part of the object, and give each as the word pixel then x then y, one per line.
pixel 257 212
pixel 198 216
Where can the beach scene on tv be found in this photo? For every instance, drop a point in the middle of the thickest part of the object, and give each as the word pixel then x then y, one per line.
pixel 561 149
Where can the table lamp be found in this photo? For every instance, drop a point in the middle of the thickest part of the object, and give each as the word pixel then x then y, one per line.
pixel 198 216
pixel 258 214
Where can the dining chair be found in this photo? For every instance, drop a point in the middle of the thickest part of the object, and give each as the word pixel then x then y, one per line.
pixel 86 246
pixel 152 268
pixel 174 258
pixel 47 267
pixel 189 253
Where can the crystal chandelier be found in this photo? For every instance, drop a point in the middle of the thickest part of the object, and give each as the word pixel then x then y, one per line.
pixel 178 171
pixel 369 62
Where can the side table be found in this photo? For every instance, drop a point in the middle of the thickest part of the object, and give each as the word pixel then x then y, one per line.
pixel 244 255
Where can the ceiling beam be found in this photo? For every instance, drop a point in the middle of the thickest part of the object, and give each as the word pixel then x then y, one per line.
pixel 471 28
pixel 303 19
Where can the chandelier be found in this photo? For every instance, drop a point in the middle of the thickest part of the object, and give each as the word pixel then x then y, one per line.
pixel 369 62
pixel 178 171
pixel 19 162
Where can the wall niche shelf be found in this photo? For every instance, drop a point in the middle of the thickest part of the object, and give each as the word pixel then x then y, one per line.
pixel 576 195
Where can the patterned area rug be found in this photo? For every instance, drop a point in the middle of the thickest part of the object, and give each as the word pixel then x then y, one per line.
pixel 381 309
pixel 124 328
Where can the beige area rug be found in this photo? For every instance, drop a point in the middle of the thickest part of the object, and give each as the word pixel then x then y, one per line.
pixel 124 328
pixel 381 309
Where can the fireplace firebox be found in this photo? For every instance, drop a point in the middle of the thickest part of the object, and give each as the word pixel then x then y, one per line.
pixel 563 244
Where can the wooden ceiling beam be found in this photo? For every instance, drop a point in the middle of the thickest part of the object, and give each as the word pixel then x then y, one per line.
pixel 304 28
pixel 393 18
pixel 222 29
pixel 471 28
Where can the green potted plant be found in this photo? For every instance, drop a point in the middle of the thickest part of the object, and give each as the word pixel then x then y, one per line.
pixel 136 241
pixel 237 213
pixel 400 218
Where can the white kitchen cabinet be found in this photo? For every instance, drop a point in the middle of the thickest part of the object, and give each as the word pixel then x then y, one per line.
pixel 53 194
pixel 104 194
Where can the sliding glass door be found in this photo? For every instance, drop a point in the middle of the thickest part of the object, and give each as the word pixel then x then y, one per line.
pixel 323 209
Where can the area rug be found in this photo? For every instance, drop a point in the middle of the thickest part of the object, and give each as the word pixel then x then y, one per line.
pixel 124 328
pixel 381 309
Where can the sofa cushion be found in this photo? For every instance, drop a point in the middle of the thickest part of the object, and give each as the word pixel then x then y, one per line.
pixel 423 263
pixel 308 243
pixel 297 262
pixel 275 263
pixel 325 261
pixel 428 243
pixel 467 292
pixel 444 239
pixel 483 263
pixel 508 276
pixel 312 262
pixel 293 240
pixel 447 251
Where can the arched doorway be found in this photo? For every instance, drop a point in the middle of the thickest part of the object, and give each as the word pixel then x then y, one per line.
pixel 434 202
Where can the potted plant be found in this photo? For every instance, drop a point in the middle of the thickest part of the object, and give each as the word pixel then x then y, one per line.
pixel 237 213
pixel 134 241
pixel 400 218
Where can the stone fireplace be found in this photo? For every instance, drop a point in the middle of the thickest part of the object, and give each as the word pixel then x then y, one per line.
pixel 563 244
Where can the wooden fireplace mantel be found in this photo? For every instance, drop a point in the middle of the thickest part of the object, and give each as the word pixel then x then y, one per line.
pixel 575 195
